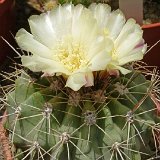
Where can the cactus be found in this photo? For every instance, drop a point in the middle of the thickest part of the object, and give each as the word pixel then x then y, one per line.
pixel 116 118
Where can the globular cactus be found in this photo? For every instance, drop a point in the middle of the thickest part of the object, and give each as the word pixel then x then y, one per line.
pixel 115 119
pixel 67 115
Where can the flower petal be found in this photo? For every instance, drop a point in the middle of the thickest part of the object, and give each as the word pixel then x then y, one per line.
pixel 101 12
pixel 112 67
pixel 101 52
pixel 129 28
pixel 123 70
pixel 51 26
pixel 109 22
pixel 76 81
pixel 42 29
pixel 128 44
pixel 27 42
pixel 89 79
pixel 134 55
pixel 61 19
pixel 31 63
pixel 36 63
pixel 84 26
pixel 115 23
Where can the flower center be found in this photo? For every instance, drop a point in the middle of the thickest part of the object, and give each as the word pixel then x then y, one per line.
pixel 106 32
pixel 113 54
pixel 72 57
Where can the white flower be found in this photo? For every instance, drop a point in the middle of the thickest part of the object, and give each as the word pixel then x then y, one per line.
pixel 127 36
pixel 74 41
pixel 66 41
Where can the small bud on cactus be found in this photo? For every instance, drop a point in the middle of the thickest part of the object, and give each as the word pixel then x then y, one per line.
pixel 88 102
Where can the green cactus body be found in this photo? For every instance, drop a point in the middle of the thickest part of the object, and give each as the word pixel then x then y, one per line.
pixel 49 121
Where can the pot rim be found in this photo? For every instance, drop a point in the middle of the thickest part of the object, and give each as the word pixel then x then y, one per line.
pixel 152 25
pixel 2 1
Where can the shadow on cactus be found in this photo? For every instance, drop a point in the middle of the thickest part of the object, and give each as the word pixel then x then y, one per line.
pixel 80 95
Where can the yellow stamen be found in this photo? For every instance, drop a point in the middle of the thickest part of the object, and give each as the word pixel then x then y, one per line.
pixel 72 57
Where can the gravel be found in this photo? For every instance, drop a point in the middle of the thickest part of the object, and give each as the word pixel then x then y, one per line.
pixel 151 11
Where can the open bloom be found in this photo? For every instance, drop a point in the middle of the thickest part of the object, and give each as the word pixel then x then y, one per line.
pixel 74 41
pixel 66 41
pixel 127 36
